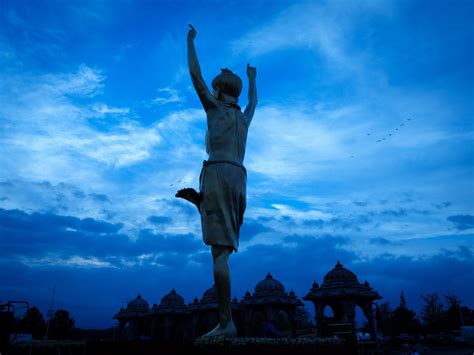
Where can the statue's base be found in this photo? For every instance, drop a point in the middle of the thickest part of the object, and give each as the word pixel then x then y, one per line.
pixel 245 346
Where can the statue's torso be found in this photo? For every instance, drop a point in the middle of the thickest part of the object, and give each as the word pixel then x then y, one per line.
pixel 226 135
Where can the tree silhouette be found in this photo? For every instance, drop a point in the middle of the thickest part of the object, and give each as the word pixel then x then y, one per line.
pixel 432 312
pixel 61 325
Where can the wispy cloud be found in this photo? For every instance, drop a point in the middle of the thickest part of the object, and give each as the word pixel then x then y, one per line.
pixel 172 96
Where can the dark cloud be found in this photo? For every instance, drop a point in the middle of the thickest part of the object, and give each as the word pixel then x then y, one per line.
pixel 442 205
pixel 42 234
pixel 99 197
pixel 251 228
pixel 350 222
pixel 462 222
pixel 159 220
pixel 380 241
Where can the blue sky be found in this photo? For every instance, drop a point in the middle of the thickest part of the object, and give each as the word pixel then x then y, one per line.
pixel 361 147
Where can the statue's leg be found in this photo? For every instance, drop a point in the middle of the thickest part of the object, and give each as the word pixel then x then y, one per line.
pixel 226 327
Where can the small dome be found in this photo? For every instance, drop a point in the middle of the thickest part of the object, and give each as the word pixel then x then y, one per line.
pixel 339 275
pixel 172 299
pixel 138 305
pixel 210 295
pixel 269 285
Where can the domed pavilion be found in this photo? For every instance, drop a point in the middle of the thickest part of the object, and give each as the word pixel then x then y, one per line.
pixel 133 320
pixel 269 304
pixel 170 319
pixel 342 292
pixel 206 311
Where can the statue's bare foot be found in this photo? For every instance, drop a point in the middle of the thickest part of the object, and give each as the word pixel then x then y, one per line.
pixel 191 195
pixel 228 331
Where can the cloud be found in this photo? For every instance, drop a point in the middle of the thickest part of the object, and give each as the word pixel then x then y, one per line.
pixel 104 109
pixel 50 239
pixel 462 222
pixel 323 27
pixel 159 219
pixel 173 96
pixel 380 241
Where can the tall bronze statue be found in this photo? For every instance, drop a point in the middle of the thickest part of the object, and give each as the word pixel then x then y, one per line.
pixel 222 197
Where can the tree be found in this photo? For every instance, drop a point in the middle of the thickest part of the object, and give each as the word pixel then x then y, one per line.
pixel 33 322
pixel 432 312
pixel 61 325
pixel 303 318
pixel 455 315
pixel 404 321
pixel 383 315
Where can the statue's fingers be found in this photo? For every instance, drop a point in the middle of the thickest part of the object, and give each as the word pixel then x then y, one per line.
pixel 191 27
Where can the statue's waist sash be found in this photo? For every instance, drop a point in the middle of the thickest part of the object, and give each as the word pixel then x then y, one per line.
pixel 210 162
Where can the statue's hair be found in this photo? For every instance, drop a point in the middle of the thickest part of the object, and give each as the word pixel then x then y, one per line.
pixel 228 83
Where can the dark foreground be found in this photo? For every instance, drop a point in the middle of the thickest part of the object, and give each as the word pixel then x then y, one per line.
pixel 148 347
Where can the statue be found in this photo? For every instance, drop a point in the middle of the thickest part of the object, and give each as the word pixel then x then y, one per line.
pixel 222 197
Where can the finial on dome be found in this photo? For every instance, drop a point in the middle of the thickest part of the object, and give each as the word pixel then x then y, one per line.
pixel 269 276
pixel 338 264
pixel 139 296
pixel 315 284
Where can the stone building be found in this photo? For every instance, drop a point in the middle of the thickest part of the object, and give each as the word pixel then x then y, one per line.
pixel 342 292
pixel 268 311
pixel 269 307
pixel 133 320
pixel 269 304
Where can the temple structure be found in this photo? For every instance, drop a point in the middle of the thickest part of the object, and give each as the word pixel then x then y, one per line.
pixel 342 292
pixel 269 311
pixel 270 305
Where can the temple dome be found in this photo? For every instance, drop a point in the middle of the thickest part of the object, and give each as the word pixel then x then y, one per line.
pixel 210 295
pixel 339 275
pixel 138 305
pixel 172 299
pixel 269 285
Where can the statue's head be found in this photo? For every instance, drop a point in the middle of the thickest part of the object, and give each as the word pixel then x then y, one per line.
pixel 227 83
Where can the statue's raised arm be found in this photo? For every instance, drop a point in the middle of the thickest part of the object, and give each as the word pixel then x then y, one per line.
pixel 250 109
pixel 207 99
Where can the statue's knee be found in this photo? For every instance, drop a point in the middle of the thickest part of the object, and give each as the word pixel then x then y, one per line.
pixel 220 250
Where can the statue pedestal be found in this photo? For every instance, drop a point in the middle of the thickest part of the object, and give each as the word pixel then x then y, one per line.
pixel 245 346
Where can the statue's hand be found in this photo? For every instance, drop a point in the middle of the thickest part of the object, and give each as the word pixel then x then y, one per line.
pixel 192 33
pixel 251 72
